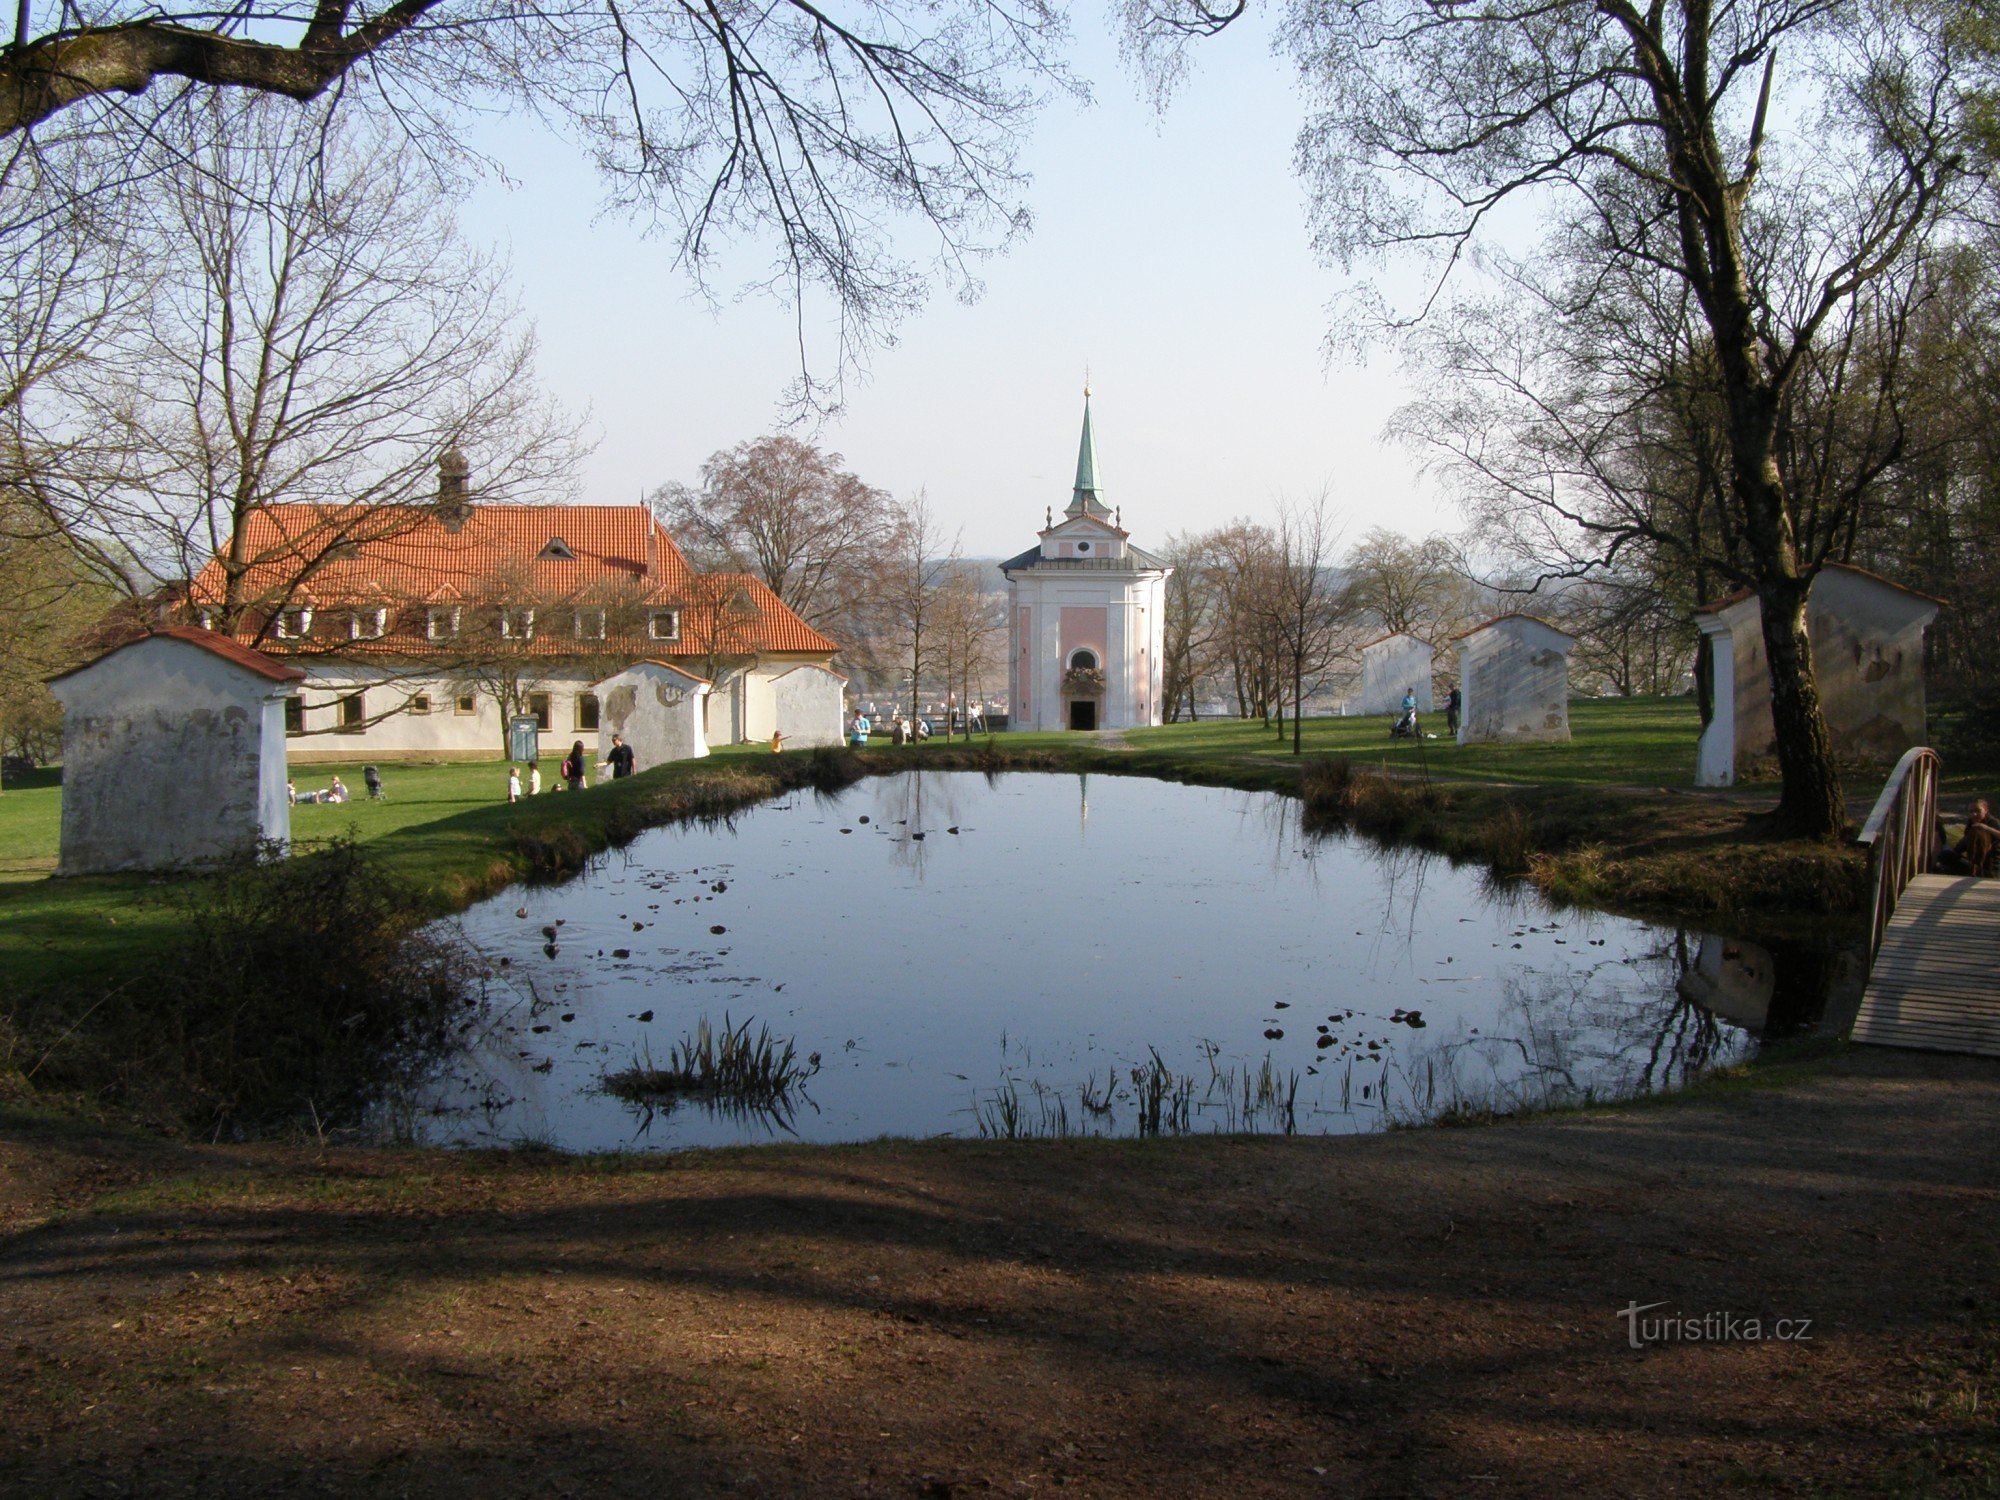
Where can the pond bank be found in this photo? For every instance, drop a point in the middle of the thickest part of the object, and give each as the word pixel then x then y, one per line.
pixel 67 945
pixel 1423 1312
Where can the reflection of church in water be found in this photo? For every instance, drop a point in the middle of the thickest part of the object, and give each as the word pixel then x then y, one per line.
pixel 1086 617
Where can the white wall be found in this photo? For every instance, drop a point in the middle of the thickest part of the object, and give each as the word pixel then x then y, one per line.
pixel 1390 668
pixel 168 760
pixel 809 704
pixel 1515 678
pixel 657 710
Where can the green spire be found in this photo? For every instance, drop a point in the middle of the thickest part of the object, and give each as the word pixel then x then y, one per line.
pixel 1087 501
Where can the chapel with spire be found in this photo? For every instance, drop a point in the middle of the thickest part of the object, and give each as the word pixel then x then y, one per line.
pixel 1086 616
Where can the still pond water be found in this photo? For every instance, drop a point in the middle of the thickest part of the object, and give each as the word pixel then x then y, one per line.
pixel 1038 954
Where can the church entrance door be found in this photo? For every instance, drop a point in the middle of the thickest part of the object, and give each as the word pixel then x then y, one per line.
pixel 1083 713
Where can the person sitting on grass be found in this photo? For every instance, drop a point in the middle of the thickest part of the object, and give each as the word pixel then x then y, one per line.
pixel 334 793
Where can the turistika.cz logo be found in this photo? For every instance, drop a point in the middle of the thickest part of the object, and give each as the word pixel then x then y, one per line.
pixel 1707 1328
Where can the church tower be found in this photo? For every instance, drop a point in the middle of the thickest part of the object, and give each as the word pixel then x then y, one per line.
pixel 1086 616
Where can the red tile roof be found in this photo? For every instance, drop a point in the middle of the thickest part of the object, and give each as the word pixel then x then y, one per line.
pixel 361 557
pixel 211 641
pixel 1714 605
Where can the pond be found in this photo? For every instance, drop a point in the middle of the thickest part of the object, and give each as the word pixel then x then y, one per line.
pixel 947 954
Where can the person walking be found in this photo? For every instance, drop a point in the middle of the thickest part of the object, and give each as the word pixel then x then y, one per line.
pixel 534 778
pixel 573 767
pixel 620 758
pixel 513 783
pixel 1454 701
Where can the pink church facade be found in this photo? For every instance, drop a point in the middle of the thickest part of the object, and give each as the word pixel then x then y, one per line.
pixel 1086 616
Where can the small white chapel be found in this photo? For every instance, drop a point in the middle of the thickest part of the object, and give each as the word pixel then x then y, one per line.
pixel 1086 617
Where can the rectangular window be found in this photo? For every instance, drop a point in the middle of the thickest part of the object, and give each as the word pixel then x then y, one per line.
pixel 590 624
pixel 352 712
pixel 295 715
pixel 420 703
pixel 538 705
pixel 294 624
pixel 517 624
pixel 367 624
pixel 441 624
pixel 468 703
pixel 586 711
pixel 664 625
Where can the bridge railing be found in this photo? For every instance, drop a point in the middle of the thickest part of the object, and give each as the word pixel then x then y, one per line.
pixel 1900 834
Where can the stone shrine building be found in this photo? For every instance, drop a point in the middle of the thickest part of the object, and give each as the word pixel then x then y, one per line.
pixel 1086 617
pixel 1867 639
pixel 1514 674
pixel 173 753
pixel 1390 667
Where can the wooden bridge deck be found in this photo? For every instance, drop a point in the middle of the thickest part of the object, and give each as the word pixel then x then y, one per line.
pixel 1936 981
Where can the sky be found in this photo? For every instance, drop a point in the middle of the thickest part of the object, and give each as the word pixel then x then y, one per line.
pixel 1169 259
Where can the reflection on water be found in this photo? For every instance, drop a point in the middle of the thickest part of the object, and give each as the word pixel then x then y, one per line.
pixel 1035 955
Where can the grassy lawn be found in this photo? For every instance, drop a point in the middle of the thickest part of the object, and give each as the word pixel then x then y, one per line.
pixel 1615 741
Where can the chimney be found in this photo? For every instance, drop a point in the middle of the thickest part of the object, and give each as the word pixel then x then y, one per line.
pixel 454 501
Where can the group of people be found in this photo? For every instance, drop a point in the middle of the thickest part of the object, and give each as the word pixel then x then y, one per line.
pixel 334 793
pixel 574 771
pixel 902 731
pixel 1406 726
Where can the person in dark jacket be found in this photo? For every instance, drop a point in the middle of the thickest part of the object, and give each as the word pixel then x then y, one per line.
pixel 620 758
pixel 1452 705
pixel 573 767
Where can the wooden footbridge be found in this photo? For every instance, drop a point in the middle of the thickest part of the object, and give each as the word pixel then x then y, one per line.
pixel 1934 943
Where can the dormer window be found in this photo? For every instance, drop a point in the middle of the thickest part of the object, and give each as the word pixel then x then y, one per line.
pixel 664 625
pixel 441 624
pixel 517 624
pixel 557 550
pixel 207 619
pixel 368 624
pixel 590 624
pixel 294 624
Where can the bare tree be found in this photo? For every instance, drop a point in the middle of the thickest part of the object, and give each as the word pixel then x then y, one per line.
pixel 806 127
pixel 970 632
pixel 913 585
pixel 1646 130
pixel 788 512
pixel 1306 604
pixel 315 333
pixel 1192 621
pixel 1407 587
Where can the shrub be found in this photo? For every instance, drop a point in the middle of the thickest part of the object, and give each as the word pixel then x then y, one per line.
pixel 299 988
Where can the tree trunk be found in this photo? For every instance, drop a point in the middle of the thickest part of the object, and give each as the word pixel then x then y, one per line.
pixel 1298 692
pixel 1811 802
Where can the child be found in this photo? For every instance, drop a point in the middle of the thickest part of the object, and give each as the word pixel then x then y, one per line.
pixel 535 779
pixel 513 783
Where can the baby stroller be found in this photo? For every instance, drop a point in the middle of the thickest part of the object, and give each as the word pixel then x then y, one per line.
pixel 1405 728
pixel 373 779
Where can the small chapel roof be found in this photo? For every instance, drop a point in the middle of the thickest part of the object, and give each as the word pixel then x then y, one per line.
pixel 1135 560
pixel 1088 494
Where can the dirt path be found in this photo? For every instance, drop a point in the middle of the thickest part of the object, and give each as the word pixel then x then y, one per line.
pixel 1421 1313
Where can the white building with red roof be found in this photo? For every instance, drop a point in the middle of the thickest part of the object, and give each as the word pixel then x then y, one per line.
pixel 1513 676
pixel 173 753
pixel 423 629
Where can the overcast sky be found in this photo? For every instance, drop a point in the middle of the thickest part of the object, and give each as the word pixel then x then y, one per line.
pixel 1169 257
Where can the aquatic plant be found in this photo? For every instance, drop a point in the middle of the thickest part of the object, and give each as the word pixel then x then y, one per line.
pixel 727 1068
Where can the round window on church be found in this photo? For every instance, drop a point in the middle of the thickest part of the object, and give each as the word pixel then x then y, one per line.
pixel 1083 546
pixel 1083 661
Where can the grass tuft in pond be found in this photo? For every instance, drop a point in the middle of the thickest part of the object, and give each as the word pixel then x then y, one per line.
pixel 728 1068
